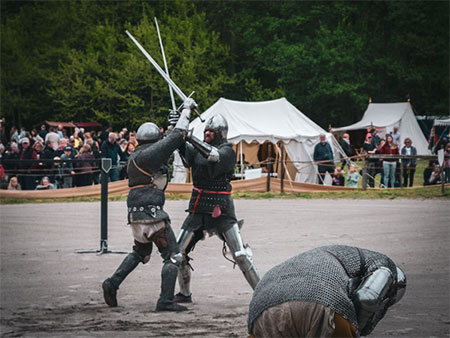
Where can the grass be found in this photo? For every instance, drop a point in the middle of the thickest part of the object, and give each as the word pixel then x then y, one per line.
pixel 417 193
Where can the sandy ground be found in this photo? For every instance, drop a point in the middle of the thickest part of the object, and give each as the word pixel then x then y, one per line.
pixel 49 290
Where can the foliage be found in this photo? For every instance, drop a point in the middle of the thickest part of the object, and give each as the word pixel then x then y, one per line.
pixel 71 60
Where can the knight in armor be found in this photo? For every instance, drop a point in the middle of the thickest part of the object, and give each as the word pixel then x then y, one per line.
pixel 211 207
pixel 149 222
pixel 330 291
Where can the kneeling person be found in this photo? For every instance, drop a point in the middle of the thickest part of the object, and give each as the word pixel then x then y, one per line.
pixel 331 291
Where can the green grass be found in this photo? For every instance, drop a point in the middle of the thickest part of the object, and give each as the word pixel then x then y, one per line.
pixel 417 193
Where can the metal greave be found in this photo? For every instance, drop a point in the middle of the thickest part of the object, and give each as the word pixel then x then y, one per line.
pixel 184 271
pixel 242 255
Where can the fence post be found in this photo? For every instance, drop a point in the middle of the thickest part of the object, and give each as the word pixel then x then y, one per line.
pixel 283 159
pixel 364 173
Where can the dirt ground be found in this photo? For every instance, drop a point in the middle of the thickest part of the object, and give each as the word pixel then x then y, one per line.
pixel 49 290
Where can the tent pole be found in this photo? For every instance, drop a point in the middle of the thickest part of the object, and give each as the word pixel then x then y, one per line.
pixel 287 172
pixel 283 159
pixel 241 159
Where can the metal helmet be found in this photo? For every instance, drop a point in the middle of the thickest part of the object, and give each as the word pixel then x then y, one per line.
pixel 400 284
pixel 219 125
pixel 148 133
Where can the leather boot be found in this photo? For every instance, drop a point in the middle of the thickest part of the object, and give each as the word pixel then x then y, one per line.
pixel 166 302
pixel 111 285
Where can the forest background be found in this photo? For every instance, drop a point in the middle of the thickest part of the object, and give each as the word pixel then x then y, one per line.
pixel 72 61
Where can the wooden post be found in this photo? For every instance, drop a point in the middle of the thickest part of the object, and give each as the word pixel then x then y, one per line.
pixel 401 172
pixel 364 174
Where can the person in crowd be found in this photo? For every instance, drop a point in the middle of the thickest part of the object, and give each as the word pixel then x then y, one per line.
pixel 111 149
pixel 372 163
pixel 375 138
pixel 72 143
pixel 427 172
pixel 128 149
pixel 442 143
pixel 66 168
pixel 435 177
pixel 53 137
pixel 149 222
pixel 348 149
pixel 45 184
pixel 330 291
pixel 96 152
pixel 48 153
pixel 211 207
pixel 43 132
pixel 60 131
pixel 26 168
pixel 132 138
pixel 22 133
pixel 447 163
pixel 338 178
pixel 324 155
pixel 77 141
pixel 35 136
pixel 396 136
pixel 14 135
pixel 86 168
pixel 388 147
pixel 14 184
pixel 11 155
pixel 352 177
pixel 408 165
pixel 62 144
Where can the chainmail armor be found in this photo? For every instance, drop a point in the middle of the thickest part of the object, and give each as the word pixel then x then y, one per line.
pixel 317 276
pixel 145 203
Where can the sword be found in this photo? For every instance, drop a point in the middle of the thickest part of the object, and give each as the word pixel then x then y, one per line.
pixel 161 72
pixel 165 65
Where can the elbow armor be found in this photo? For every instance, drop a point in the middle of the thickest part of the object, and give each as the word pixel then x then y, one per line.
pixel 371 299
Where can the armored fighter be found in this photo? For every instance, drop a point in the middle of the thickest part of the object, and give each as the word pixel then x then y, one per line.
pixel 147 171
pixel 211 207
pixel 331 291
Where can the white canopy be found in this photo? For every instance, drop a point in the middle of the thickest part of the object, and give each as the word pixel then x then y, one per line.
pixel 390 115
pixel 274 121
pixel 445 122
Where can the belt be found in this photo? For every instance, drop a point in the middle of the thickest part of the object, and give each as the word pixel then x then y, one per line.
pixel 142 186
pixel 202 191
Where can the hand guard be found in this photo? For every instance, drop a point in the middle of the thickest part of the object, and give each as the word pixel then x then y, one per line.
pixel 183 121
pixel 174 116
pixel 189 104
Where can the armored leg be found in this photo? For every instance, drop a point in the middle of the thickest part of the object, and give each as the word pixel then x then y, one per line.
pixel 242 255
pixel 168 247
pixel 111 285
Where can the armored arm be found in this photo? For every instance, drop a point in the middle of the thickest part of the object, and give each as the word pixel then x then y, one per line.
pixel 206 150
pixel 371 299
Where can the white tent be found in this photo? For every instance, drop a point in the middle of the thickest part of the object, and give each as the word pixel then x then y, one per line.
pixel 386 116
pixel 274 121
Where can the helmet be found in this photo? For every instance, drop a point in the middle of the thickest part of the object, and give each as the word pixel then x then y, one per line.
pixel 400 284
pixel 148 133
pixel 219 125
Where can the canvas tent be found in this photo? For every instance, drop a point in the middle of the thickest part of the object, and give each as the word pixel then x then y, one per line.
pixel 385 116
pixel 251 124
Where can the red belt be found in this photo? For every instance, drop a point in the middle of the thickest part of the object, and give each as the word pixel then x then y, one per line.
pixel 201 191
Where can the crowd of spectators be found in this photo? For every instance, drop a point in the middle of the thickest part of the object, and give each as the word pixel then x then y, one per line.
pixel 50 153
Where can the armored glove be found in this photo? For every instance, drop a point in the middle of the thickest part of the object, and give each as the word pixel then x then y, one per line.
pixel 183 121
pixel 174 116
pixel 189 104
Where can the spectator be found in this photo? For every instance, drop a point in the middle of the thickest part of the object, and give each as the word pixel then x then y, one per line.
pixel 345 144
pixel 427 172
pixel 132 138
pixel 66 168
pixel 338 178
pixel 14 135
pixel 35 136
pixel 375 138
pixel 110 149
pixel 14 184
pixel 330 291
pixel 26 178
pixel 85 176
pixel 62 144
pixel 77 141
pixel 396 136
pixel 12 157
pixel 45 184
pixel 60 131
pixel 447 163
pixel 388 147
pixel 43 131
pixel 352 177
pixel 408 166
pixel 129 148
pixel 324 155
pixel 53 138
pixel 442 143
pixel 372 163
pixel 22 133
pixel 435 177
pixel 48 153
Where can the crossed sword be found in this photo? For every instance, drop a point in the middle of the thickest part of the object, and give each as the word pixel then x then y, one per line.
pixel 172 85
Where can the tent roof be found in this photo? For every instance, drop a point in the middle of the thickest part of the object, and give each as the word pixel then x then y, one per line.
pixel 273 120
pixel 87 124
pixel 380 115
pixel 445 122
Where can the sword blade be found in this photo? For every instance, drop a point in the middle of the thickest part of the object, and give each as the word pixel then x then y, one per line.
pixel 165 64
pixel 158 68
